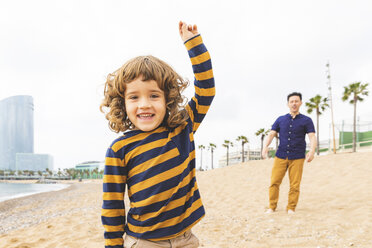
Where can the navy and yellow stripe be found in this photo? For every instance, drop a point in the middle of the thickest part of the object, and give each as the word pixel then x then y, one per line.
pixel 204 81
pixel 158 169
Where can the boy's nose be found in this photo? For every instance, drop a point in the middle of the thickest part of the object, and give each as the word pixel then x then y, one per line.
pixel 144 103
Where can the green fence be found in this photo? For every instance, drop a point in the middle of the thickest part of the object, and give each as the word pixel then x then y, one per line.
pixel 347 138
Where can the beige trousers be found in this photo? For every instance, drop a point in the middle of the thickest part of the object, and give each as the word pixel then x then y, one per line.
pixel 186 240
pixel 280 167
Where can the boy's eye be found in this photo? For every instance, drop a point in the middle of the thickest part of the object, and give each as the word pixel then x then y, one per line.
pixel 133 97
pixel 154 96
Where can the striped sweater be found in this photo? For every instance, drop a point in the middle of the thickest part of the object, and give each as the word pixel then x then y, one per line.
pixel 158 168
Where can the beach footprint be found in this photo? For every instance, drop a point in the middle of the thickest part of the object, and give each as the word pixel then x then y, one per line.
pixel 14 240
pixel 23 246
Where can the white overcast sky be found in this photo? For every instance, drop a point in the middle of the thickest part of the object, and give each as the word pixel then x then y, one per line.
pixel 60 52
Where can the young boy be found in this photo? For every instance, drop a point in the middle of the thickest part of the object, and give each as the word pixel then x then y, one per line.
pixel 155 158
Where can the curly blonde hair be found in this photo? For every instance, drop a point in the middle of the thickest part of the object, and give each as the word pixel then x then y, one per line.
pixel 148 68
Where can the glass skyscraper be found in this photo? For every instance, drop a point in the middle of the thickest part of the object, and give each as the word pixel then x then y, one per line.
pixel 16 129
pixel 34 162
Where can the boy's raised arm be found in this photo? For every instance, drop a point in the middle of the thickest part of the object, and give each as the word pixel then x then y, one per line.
pixel 187 31
pixel 202 68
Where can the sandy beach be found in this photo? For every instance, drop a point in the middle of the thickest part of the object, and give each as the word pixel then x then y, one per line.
pixel 334 210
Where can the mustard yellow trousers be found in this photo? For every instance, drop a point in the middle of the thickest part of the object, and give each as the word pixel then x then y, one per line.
pixel 280 167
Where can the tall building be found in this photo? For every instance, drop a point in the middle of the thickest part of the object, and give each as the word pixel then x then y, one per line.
pixel 16 129
pixel 34 162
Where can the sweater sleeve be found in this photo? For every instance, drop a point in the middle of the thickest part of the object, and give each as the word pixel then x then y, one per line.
pixel 113 209
pixel 203 81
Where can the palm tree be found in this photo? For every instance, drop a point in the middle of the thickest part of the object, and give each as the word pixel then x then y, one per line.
pixel 211 147
pixel 227 144
pixel 95 172
pixel 244 140
pixel 69 172
pixel 49 171
pixel 319 104
pixel 355 90
pixel 201 147
pixel 263 133
pixel 76 173
pixel 87 173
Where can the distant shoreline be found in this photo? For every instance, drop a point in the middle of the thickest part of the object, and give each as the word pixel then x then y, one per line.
pixel 49 188
pixel 19 181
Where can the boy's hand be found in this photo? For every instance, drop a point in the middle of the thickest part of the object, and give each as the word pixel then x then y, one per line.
pixel 187 31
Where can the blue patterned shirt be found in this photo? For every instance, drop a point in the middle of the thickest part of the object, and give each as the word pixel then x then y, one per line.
pixel 292 133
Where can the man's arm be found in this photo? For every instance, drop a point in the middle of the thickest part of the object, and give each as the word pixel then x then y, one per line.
pixel 310 154
pixel 268 140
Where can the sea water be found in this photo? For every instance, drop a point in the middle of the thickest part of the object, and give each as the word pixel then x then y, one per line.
pixel 15 190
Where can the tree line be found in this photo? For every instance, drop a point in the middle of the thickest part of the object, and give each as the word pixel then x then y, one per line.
pixel 72 173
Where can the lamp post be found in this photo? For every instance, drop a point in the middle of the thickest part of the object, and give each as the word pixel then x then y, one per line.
pixel 331 103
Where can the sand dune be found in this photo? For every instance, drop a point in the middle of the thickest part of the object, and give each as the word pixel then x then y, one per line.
pixel 335 209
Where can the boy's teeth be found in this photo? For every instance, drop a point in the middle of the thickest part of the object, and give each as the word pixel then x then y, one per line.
pixel 146 115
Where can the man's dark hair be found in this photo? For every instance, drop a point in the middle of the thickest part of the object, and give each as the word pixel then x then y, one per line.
pixel 294 94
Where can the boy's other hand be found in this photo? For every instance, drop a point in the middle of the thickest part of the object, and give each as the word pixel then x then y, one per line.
pixel 187 31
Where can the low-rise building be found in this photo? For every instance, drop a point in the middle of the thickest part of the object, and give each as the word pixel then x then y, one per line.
pixel 90 165
pixel 235 157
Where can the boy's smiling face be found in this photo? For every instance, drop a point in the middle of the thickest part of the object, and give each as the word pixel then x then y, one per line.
pixel 145 104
